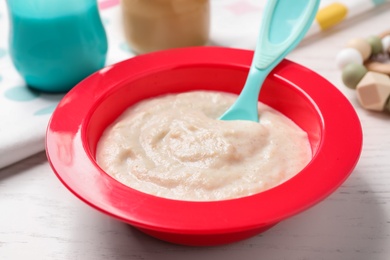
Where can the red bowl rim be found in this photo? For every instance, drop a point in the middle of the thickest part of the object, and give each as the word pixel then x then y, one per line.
pixel 69 158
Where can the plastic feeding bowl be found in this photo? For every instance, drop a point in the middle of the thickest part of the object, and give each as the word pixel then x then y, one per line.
pixel 302 95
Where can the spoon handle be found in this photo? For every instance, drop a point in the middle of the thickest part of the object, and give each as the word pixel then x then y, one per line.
pixel 284 24
pixel 278 37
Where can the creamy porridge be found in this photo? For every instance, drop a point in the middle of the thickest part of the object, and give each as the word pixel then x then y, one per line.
pixel 174 146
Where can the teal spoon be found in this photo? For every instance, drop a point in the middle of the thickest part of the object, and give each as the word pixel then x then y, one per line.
pixel 283 26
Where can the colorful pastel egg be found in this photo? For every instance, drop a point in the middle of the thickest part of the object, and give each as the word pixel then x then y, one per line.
pixel 386 44
pixel 348 55
pixel 362 46
pixel 376 44
pixel 352 74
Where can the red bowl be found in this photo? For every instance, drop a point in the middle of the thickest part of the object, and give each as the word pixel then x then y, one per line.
pixel 308 99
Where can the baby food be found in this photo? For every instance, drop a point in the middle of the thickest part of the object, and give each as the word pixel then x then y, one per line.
pixel 174 146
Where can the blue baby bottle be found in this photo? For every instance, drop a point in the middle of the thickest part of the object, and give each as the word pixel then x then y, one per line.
pixel 54 44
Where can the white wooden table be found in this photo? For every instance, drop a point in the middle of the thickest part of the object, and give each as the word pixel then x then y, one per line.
pixel 41 219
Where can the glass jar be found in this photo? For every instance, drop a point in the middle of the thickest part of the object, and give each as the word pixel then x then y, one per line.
pixel 55 44
pixel 151 25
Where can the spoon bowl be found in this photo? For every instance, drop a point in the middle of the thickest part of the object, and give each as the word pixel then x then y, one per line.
pixel 283 26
